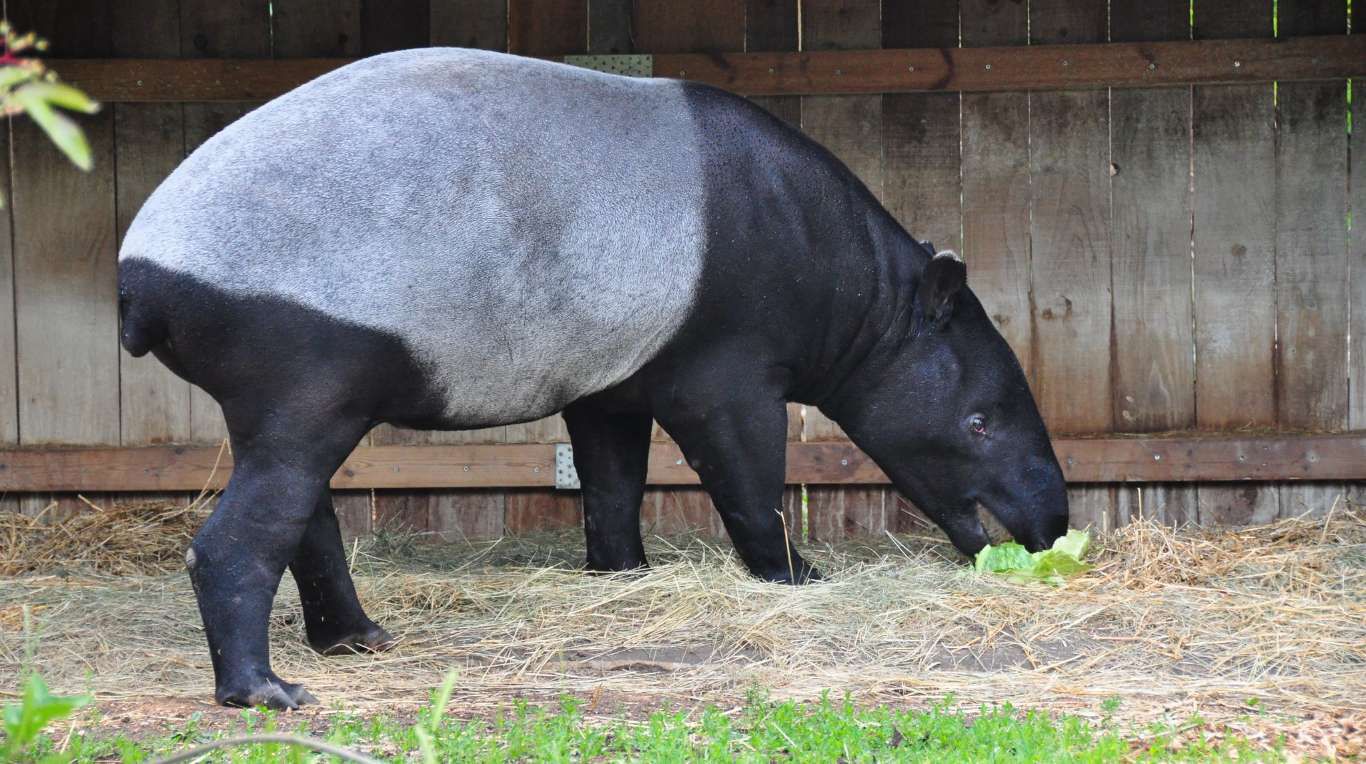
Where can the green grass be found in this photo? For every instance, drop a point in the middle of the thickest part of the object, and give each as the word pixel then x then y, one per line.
pixel 762 731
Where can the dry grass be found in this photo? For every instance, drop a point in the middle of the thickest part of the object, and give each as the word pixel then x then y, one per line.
pixel 1172 623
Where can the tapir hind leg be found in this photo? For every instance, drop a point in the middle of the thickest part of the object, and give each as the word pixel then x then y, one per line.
pixel 283 461
pixel 738 447
pixel 333 617
pixel 610 454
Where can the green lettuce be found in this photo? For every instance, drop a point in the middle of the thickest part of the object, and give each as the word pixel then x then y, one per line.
pixel 1051 566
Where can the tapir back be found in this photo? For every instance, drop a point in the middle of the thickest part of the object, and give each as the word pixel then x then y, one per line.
pixel 532 233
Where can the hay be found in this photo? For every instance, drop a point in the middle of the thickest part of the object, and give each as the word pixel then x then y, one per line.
pixel 133 538
pixel 1172 623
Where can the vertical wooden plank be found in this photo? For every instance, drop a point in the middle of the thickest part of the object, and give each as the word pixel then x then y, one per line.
pixel 225 28
pixel 1357 258
pixel 529 511
pixel 1233 161
pixel 149 142
pixel 74 28
pixel 609 26
pixel 547 28
pixel 995 179
pixel 9 371
pixel 316 28
pixel 1069 135
pixel 1356 250
pixel 920 132
pixel 1151 250
pixel 1311 250
pixel 851 128
pixel 394 25
pixel 64 260
pixel 664 26
pixel 470 23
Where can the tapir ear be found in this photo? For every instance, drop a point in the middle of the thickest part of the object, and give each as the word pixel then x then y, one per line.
pixel 940 284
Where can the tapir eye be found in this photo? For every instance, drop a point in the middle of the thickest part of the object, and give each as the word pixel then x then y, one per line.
pixel 978 424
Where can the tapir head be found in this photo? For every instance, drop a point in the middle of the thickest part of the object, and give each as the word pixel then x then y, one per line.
pixel 945 410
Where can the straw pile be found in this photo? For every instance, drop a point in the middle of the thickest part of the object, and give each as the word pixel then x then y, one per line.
pixel 1268 622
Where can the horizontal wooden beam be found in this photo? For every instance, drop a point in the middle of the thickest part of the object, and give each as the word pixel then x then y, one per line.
pixel 1167 458
pixel 1031 67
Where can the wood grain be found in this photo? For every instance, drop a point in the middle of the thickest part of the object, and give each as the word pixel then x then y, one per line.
pixel 710 26
pixel 1154 350
pixel 995 176
pixel 817 72
pixel 1233 161
pixel 1070 235
pixel 610 27
pixel 1311 250
pixel 547 28
pixel 1166 457
pixel 317 28
pixel 470 23
pixel 921 132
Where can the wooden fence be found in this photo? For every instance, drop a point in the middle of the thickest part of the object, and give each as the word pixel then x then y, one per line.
pixel 1157 225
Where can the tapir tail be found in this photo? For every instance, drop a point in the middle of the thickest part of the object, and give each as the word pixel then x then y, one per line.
pixel 140 328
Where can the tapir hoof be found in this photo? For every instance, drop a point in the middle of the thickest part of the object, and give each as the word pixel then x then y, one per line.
pixel 271 692
pixel 371 640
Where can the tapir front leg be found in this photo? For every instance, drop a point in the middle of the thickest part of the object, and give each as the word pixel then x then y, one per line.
pixel 333 617
pixel 738 447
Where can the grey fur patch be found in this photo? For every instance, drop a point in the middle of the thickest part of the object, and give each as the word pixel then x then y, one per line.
pixel 532 231
pixel 950 254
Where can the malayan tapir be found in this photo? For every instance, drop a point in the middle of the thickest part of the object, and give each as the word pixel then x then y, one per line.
pixel 453 239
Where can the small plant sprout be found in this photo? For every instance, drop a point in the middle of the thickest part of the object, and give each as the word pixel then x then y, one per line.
pixel 27 86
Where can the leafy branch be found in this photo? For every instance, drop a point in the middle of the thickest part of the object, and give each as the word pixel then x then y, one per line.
pixel 27 86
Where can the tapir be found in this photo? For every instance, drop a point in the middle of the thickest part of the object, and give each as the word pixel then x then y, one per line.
pixel 454 239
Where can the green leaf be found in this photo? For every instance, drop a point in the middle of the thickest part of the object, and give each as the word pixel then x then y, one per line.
pixel 63 132
pixel 36 709
pixel 62 95
pixel 1002 557
pixel 14 75
pixel 1075 543
pixel 1052 566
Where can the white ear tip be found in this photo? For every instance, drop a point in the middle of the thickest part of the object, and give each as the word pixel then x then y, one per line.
pixel 950 254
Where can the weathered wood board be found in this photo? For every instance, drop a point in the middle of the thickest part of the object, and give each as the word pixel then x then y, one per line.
pixel 1311 250
pixel 1154 348
pixel 1234 240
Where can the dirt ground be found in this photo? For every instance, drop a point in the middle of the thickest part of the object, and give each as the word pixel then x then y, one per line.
pixel 1260 632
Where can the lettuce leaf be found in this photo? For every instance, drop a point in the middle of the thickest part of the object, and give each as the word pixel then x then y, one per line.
pixel 1051 566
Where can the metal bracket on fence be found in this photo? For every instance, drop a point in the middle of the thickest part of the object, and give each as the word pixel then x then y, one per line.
pixel 629 64
pixel 566 477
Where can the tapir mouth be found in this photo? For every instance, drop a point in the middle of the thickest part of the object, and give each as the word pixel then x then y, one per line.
pixel 966 531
